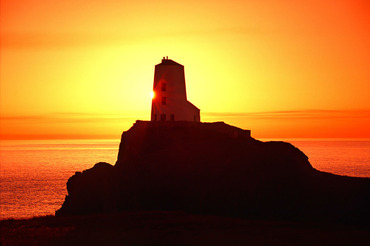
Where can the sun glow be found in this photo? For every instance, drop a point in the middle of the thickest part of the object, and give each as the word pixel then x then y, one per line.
pixel 152 95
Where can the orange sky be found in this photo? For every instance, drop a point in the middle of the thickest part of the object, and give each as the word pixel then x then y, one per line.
pixel 282 68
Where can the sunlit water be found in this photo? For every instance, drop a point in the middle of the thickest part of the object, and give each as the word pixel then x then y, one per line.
pixel 351 158
pixel 33 174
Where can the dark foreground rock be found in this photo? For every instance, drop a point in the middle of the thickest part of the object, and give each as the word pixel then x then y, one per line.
pixel 214 168
pixel 175 228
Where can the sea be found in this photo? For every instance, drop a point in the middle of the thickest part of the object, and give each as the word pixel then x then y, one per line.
pixel 34 173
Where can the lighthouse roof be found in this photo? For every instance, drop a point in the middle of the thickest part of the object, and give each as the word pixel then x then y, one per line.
pixel 166 61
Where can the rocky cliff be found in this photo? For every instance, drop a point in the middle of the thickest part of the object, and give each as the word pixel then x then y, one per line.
pixel 214 168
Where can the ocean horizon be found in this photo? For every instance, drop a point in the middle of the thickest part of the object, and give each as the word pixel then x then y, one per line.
pixel 34 173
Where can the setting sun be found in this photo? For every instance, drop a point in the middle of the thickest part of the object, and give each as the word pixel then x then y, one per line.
pixel 152 94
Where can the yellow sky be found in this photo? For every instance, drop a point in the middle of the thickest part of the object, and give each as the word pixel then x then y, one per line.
pixel 282 68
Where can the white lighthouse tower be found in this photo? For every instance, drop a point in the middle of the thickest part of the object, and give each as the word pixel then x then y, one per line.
pixel 169 102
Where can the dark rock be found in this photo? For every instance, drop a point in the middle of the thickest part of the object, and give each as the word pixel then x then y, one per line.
pixel 90 191
pixel 214 168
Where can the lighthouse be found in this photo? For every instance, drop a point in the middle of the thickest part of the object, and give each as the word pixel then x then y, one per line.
pixel 169 101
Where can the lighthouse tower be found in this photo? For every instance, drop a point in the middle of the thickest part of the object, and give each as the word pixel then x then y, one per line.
pixel 169 102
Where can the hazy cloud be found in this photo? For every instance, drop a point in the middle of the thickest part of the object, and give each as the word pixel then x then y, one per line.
pixel 288 114
pixel 67 118
pixel 40 40
pixel 295 114
pixel 48 40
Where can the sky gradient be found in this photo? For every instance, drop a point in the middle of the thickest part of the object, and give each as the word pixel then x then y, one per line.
pixel 282 68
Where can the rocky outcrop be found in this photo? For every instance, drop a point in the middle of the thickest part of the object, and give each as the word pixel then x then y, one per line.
pixel 90 191
pixel 213 168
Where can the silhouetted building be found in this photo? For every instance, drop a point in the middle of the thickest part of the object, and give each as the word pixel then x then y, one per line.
pixel 169 102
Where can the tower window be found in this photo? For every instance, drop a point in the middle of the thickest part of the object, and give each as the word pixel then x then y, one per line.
pixel 163 87
pixel 164 100
pixel 163 117
pixel 172 117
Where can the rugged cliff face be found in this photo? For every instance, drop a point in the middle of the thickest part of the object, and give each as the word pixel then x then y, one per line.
pixel 213 168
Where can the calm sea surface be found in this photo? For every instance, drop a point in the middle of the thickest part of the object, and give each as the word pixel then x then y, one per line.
pixel 33 174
